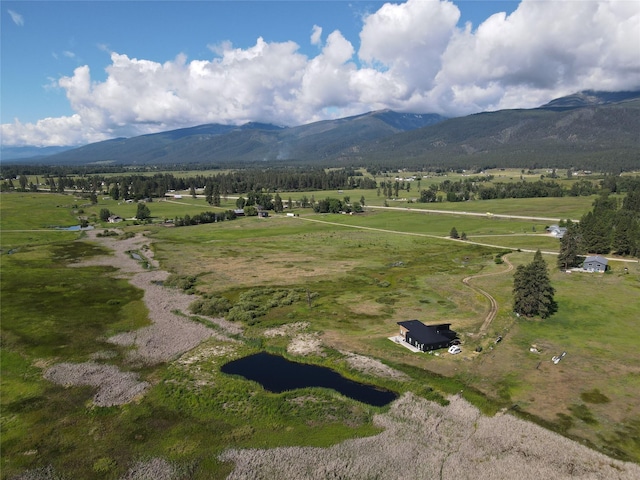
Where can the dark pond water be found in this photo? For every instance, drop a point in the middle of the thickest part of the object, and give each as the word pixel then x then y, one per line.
pixel 277 374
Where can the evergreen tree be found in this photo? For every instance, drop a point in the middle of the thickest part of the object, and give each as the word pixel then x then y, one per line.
pixel 216 195
pixel 569 248
pixel 277 203
pixel 454 233
pixel 208 193
pixel 626 233
pixel 143 212
pixel 595 230
pixel 532 290
pixel 104 214
pixel 115 192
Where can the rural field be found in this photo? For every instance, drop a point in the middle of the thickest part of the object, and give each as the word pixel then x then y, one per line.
pixel 81 310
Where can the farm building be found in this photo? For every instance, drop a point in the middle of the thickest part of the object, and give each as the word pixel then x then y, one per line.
pixel 595 264
pixel 556 231
pixel 426 337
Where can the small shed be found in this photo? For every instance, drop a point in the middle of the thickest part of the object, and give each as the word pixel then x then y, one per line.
pixel 595 264
pixel 427 337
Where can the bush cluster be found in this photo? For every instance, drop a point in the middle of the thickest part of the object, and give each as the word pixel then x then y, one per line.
pixel 185 283
pixel 255 303
pixel 210 306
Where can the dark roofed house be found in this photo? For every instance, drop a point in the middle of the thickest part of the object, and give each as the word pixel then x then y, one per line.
pixel 426 337
pixel 595 264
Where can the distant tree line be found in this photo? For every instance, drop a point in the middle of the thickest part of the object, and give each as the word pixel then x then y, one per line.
pixel 205 217
pixel 478 188
pixel 139 187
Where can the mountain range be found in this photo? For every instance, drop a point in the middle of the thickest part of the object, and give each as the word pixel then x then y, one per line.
pixel 592 130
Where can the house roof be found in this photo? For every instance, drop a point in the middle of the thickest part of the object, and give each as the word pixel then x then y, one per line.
pixel 555 229
pixel 596 258
pixel 429 334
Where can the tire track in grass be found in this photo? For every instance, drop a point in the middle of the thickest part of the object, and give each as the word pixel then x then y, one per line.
pixel 493 309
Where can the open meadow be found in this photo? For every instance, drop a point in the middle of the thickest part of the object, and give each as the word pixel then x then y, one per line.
pixel 321 288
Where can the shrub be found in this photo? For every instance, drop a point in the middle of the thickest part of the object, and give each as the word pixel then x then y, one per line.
pixel 257 302
pixel 211 306
pixel 104 465
pixel 594 396
pixel 181 282
pixel 582 412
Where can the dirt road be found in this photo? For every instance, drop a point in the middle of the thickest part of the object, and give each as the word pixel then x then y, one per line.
pixel 493 309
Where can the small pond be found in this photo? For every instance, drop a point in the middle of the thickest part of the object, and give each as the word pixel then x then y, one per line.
pixel 75 228
pixel 277 374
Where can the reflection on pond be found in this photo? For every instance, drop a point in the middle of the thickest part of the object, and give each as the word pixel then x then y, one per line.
pixel 277 374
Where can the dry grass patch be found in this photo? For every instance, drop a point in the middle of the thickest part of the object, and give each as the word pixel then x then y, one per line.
pixel 286 330
pixel 281 269
pixel 306 344
pixel 455 441
pixel 115 387
pixel 374 367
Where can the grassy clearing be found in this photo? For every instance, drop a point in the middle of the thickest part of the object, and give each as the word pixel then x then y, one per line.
pixel 366 280
pixel 360 281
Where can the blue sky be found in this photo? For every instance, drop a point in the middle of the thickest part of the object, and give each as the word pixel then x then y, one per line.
pixel 83 71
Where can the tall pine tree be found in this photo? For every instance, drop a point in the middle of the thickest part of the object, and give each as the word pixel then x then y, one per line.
pixel 569 248
pixel 532 290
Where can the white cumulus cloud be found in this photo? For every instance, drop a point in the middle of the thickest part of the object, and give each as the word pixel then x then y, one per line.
pixel 411 56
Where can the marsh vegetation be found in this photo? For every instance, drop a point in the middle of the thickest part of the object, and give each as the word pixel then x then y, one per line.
pixel 323 289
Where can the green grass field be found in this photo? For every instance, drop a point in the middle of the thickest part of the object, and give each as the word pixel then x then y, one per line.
pixel 363 273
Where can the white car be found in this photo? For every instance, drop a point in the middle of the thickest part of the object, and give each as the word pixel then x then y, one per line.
pixel 454 349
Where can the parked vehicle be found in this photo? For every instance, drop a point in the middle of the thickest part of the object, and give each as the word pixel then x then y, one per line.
pixel 454 349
